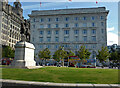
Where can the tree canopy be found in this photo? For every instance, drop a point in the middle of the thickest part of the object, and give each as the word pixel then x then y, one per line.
pixel 103 54
pixel 59 54
pixel 45 54
pixel 83 53
pixel 115 56
pixel 7 51
pixel 70 53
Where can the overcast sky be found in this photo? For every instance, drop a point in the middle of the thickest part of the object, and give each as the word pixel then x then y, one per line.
pixel 112 21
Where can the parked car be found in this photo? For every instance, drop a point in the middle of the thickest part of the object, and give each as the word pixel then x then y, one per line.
pixel 71 65
pixel 6 61
pixel 87 66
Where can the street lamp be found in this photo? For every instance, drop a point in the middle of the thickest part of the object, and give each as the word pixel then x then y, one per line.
pixel 63 58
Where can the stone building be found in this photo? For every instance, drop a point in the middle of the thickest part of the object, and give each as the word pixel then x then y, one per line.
pixel 11 21
pixel 69 28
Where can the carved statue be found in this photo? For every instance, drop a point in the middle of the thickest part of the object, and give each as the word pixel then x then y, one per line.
pixel 23 38
pixel 25 32
pixel 17 4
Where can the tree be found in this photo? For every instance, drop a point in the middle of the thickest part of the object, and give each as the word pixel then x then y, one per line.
pixel 87 54
pixel 60 54
pixel 103 54
pixel 44 54
pixel 70 53
pixel 115 56
pixel 7 51
pixel 83 53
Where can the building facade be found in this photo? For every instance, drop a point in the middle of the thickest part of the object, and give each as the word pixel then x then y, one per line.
pixel 69 28
pixel 11 20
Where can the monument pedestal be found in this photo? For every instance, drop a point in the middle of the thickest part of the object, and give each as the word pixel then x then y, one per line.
pixel 24 55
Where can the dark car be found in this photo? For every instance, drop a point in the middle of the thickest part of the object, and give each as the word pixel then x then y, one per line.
pixel 6 61
pixel 71 65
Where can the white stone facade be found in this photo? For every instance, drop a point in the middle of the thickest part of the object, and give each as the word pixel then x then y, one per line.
pixel 70 28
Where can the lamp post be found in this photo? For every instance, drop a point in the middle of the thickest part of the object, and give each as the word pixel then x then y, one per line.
pixel 68 61
pixel 62 48
pixel 63 58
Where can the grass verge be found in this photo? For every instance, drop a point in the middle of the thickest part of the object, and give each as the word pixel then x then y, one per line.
pixel 63 75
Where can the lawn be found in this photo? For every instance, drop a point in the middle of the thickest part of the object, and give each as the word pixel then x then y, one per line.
pixel 63 75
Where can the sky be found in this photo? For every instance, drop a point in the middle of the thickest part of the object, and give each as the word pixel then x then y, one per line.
pixel 112 20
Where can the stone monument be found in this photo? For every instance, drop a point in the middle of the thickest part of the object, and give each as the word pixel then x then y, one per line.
pixel 24 55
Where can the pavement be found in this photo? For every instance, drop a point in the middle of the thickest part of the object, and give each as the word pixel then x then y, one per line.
pixel 31 84
pixel 36 67
pixel 107 68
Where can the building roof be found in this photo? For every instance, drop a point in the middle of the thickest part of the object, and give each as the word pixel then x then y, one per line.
pixel 69 11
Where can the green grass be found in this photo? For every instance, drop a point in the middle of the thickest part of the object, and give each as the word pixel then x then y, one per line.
pixel 63 75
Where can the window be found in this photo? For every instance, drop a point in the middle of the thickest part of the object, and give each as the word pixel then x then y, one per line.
pixel 66 45
pixel 41 32
pixel 41 26
pixel 34 20
pixel 3 14
pixel 102 30
pixel 84 24
pixel 41 46
pixel 48 46
pixel 3 25
pixel 66 31
pixel 93 18
pixel 76 31
pixel 49 32
pixel 56 39
pixel 101 17
pixel 57 25
pixel 94 38
pixel 33 26
pixel 103 38
pixel 84 31
pixel 67 18
pixel 48 39
pixel 76 46
pixel 85 38
pixel 56 32
pixel 76 18
pixel 49 25
pixel 93 31
pixel 57 19
pixel 84 18
pixel 49 19
pixel 66 39
pixel 41 20
pixel 76 38
pixel 86 46
pixel 102 24
pixel 41 39
pixel 66 25
pixel 93 24
pixel 56 46
pixel 93 46
pixel 76 24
